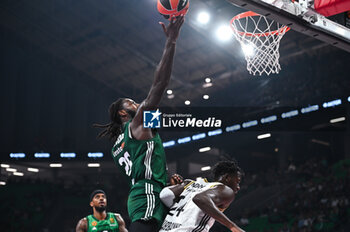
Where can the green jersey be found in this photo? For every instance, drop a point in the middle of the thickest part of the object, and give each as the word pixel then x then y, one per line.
pixel 110 224
pixel 140 159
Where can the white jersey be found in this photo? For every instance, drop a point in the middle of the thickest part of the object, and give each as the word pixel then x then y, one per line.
pixel 185 215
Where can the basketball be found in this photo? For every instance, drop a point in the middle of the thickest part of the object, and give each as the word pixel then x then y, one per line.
pixel 169 8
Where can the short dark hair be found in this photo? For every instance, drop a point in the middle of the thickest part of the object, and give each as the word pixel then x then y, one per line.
pixel 226 167
pixel 97 191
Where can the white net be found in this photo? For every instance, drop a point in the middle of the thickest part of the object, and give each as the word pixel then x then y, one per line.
pixel 260 39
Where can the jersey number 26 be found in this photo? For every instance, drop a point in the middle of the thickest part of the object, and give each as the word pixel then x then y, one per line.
pixel 128 164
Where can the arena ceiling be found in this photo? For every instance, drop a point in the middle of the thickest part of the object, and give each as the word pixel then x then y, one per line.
pixel 119 43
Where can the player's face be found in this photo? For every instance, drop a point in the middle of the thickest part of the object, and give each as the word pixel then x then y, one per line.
pixel 99 201
pixel 130 106
pixel 234 181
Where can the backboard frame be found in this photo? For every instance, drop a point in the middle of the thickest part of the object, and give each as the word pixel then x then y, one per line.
pixel 300 18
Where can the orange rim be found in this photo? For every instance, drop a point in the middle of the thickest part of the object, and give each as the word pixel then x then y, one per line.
pixel 251 13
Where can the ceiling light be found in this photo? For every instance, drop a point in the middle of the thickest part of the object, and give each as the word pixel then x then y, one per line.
pixel 169 91
pixel 187 102
pixel 206 168
pixel 184 140
pixel 5 165
pixel 17 155
pixel 207 80
pixel 198 136
pixel 11 169
pixel 203 17
pixel 68 155
pixel 33 170
pixel 95 154
pixel 224 33
pixel 335 120
pixel 55 165
pixel 2 183
pixel 93 165
pixel 42 155
pixel 18 174
pixel 264 136
pixel 169 143
pixel 204 149
pixel 206 97
pixel 171 96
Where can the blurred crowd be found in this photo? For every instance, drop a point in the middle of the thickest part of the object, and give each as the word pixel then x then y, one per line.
pixel 316 199
pixel 310 196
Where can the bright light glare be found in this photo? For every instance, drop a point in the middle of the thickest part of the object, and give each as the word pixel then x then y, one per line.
pixel 207 80
pixel 187 102
pixel 2 183
pixel 169 91
pixel 203 17
pixel 248 49
pixel 207 85
pixel 206 97
pixel 224 33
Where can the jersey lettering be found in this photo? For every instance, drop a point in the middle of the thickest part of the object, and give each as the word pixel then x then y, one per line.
pixel 184 214
pixel 119 139
pixel 177 210
pixel 128 164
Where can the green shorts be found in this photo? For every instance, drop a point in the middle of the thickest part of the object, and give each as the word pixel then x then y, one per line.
pixel 144 202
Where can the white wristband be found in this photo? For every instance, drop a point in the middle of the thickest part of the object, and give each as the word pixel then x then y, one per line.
pixel 167 196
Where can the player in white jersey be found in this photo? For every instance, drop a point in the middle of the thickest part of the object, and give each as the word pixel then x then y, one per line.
pixel 195 205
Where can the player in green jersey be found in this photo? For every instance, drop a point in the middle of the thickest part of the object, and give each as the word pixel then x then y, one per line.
pixel 100 220
pixel 138 151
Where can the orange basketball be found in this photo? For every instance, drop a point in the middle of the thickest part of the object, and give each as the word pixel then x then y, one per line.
pixel 169 8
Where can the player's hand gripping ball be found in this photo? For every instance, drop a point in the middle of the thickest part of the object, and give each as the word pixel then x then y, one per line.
pixel 172 8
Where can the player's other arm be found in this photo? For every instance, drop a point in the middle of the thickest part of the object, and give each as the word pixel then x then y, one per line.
pixel 121 223
pixel 81 226
pixel 163 71
pixel 211 200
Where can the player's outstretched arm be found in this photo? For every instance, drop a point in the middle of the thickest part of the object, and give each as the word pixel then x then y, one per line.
pixel 81 226
pixel 121 223
pixel 163 71
pixel 212 200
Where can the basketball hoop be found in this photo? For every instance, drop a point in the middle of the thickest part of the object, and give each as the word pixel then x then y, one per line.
pixel 260 39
